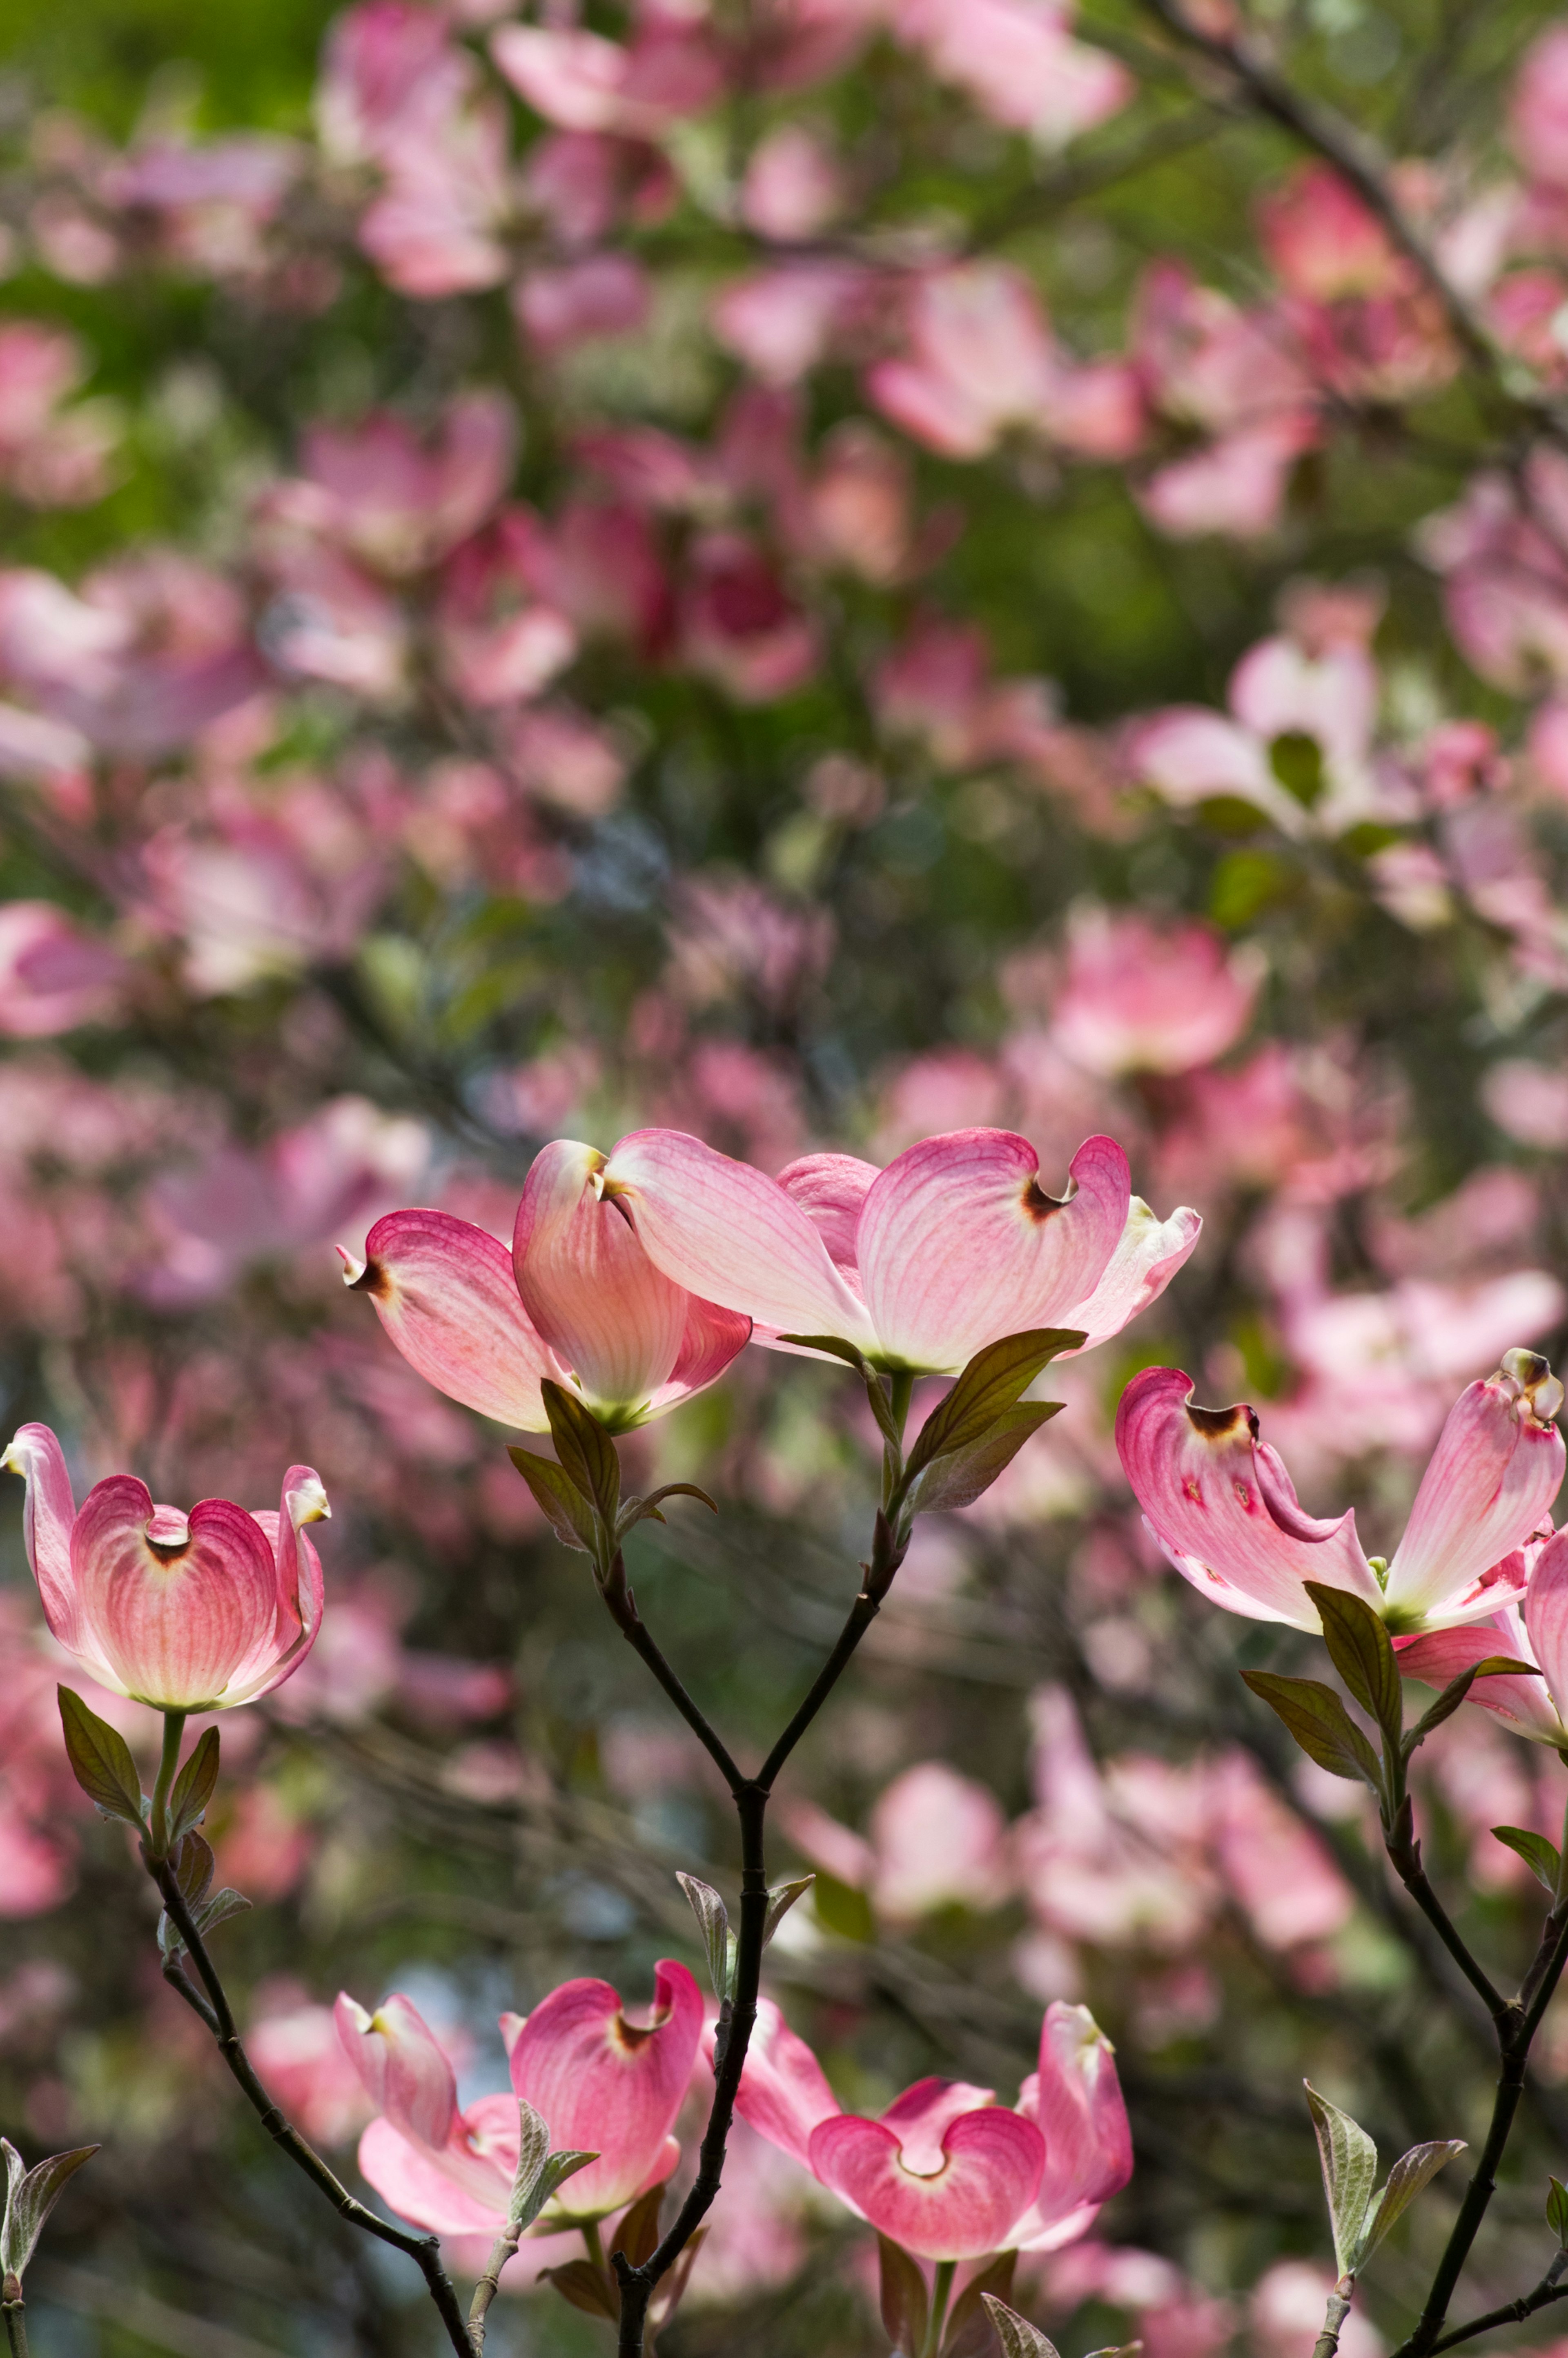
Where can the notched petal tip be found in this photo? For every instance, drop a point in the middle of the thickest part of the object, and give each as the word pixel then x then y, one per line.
pixel 1536 1385
pixel 359 1276
pixel 1223 1424
pixel 306 1498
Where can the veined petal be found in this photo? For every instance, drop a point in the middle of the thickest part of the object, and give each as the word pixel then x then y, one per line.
pixel 445 1294
pixel 1148 1254
pixel 922 2117
pixel 831 1190
pixel 990 2170
pixel 587 1285
pixel 712 1338
pixel 605 2086
pixel 1222 1506
pixel 179 1614
pixel 404 2069
pixel 299 1588
pixel 733 1235
pixel 1546 1619
pixel 413 2182
pixel 1075 2101
pixel 783 2093
pixel 960 1244
pixel 1497 1467
pixel 48 1510
pixel 1440 1655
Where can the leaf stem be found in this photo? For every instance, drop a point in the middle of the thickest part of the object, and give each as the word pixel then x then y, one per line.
pixel 941 2293
pixel 216 2013
pixel 15 2314
pixel 1334 2318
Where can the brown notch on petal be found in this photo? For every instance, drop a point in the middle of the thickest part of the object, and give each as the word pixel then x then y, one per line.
pixel 372 1280
pixel 1218 1423
pixel 1039 1205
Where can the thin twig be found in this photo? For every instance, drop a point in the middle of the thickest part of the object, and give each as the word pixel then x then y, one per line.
pixel 216 2012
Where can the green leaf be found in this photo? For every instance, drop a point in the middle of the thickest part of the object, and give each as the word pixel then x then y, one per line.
pixel 584 1448
pixel 1019 2339
pixel 970 2334
pixel 960 1477
pixel 1542 1857
pixel 586 2288
pixel 31 2196
pixel 638 2233
pixel 570 1514
pixel 1409 2175
pixel 194 1787
pixel 842 1909
pixel 1557 2210
pixel 1494 1666
pixel 714 1917
pixel 905 2309
pixel 646 1510
pixel 780 1899
pixel 1359 1647
pixel 1320 1723
pixel 995 1380
pixel 100 1760
pixel 1349 2160
pixel 539 2171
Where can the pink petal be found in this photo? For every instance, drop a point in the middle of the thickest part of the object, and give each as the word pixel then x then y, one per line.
pixel 959 1245
pixel 1146 1259
pixel 587 1283
pixel 1076 2100
pixel 48 1510
pixel 299 1587
pixel 731 1235
pixel 1497 1467
pixel 178 1615
pixel 605 2086
pixel 1546 1619
pixel 831 1189
pixel 412 2183
pixel 992 2162
pixel 923 2115
pixel 1443 1654
pixel 404 2069
pixel 712 1338
pixel 784 2093
pixel 445 1294
pixel 1222 1506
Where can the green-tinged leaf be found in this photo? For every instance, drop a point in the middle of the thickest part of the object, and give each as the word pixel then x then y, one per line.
pixel 780 1899
pixel 970 2334
pixel 1320 1723
pixel 586 2288
pixel 194 1787
pixel 1557 2210
pixel 646 1510
pixel 960 1477
pixel 584 1448
pixel 1019 2339
pixel 100 1760
pixel 714 1917
pixel 1409 2175
pixel 1541 1856
pixel 539 2171
pixel 31 2196
pixel 638 2233
pixel 1118 2350
pixel 570 1514
pixel 905 2309
pixel 1454 1693
pixel 1350 2161
pixel 842 1909
pixel 1361 1652
pixel 219 1908
pixel 995 1380
pixel 194 1866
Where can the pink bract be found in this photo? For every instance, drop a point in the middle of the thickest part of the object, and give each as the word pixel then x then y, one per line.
pixel 195 1612
pixel 920 1265
pixel 1219 1500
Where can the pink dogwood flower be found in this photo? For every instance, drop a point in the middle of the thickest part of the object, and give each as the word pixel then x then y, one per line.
pixel 1532 1628
pixel 601 2084
pixel 947 2172
pixel 953 1246
pixel 577 1301
pixel 1139 997
pixel 1219 1502
pixel 186 1612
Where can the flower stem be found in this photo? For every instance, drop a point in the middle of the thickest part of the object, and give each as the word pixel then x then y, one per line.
pixel 173 1731
pixel 595 2242
pixel 15 2314
pixel 941 2293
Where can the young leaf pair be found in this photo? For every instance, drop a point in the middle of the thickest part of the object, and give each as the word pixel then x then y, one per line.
pixel 578 1489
